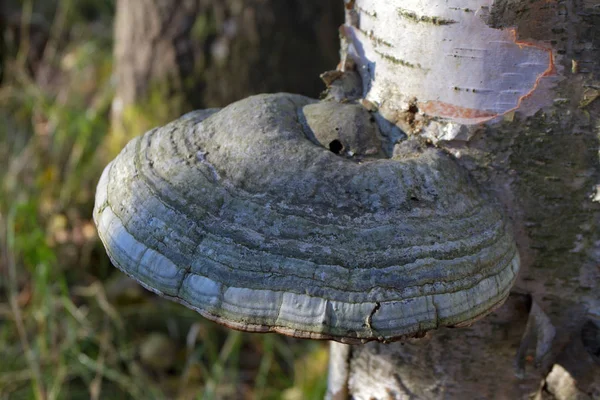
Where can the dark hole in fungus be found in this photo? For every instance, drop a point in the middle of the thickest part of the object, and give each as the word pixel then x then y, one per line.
pixel 336 146
pixel 414 198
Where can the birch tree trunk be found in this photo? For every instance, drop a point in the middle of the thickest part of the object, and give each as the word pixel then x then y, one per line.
pixel 510 89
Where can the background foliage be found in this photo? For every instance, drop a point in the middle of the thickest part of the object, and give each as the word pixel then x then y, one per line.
pixel 71 326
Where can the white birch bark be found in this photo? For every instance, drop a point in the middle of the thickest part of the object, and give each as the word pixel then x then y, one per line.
pixel 510 89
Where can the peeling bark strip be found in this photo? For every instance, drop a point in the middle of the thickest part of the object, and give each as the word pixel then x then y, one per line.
pixel 339 368
pixel 449 55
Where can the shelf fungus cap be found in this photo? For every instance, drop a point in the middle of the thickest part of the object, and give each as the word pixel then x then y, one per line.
pixel 241 215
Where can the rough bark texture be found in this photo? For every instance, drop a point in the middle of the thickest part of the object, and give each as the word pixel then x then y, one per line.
pixel 544 342
pixel 194 54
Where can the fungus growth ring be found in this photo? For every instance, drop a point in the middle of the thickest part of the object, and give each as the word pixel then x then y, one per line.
pixel 242 215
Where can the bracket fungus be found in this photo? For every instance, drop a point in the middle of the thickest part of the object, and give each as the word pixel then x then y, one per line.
pixel 247 216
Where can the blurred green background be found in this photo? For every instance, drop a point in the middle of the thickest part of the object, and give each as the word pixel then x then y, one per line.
pixel 71 325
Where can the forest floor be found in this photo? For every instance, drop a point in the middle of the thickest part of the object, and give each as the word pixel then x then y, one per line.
pixel 71 325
